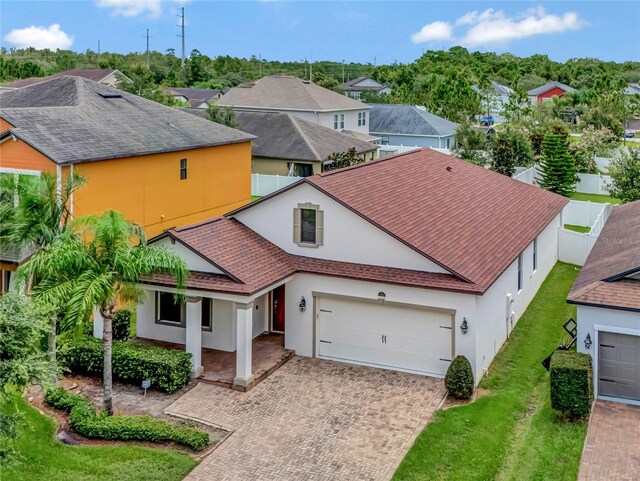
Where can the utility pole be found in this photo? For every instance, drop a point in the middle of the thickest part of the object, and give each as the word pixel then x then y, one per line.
pixel 147 36
pixel 98 51
pixel 260 57
pixel 342 71
pixel 182 33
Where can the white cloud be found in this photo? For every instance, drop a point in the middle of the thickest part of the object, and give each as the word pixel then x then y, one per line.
pixel 51 37
pixel 133 8
pixel 494 27
pixel 433 31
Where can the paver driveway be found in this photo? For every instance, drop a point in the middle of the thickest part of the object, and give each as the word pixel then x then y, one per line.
pixel 313 420
pixel 612 448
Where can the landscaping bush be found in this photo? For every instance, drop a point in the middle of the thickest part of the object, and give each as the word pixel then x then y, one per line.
pixel 571 383
pixel 86 422
pixel 121 325
pixel 167 369
pixel 459 378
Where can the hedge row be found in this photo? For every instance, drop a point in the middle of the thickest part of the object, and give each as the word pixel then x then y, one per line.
pixel 85 421
pixel 571 383
pixel 167 369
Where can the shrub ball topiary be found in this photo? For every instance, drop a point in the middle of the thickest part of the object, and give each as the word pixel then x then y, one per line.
pixel 459 378
pixel 122 325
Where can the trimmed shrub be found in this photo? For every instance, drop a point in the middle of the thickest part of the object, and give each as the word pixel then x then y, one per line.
pixel 459 378
pixel 167 369
pixel 86 422
pixel 571 383
pixel 121 325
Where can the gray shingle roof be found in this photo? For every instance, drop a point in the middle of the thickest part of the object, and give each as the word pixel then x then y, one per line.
pixel 498 89
pixel 351 85
pixel 286 136
pixel 407 120
pixel 72 120
pixel 95 74
pixel 203 95
pixel 286 92
pixel 548 86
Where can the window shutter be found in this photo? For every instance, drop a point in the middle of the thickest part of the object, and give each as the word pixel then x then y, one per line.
pixel 296 225
pixel 319 227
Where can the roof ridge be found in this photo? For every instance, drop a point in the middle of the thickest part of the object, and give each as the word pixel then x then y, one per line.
pixel 294 120
pixel 197 224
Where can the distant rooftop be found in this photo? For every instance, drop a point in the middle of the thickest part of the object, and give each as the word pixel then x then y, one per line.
pixel 548 86
pixel 284 92
pixel 408 120
pixel 95 74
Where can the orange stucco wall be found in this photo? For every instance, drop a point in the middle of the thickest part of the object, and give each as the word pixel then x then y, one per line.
pixel 15 154
pixel 148 189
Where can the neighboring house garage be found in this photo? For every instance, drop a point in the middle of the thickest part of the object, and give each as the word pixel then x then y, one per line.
pixel 378 333
pixel 607 293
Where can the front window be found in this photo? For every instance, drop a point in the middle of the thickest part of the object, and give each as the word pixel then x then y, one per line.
pixel 362 119
pixel 207 314
pixel 335 122
pixel 168 311
pixel 342 121
pixel 308 226
pixel 302 170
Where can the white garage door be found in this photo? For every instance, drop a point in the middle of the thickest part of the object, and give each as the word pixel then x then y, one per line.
pixel 402 338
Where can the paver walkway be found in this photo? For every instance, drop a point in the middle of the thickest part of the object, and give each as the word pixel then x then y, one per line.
pixel 313 420
pixel 612 448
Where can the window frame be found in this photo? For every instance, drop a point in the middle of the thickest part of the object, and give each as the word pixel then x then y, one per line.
pixel 535 254
pixel 208 328
pixel 341 121
pixel 183 169
pixel 319 225
pixel 166 322
pixel 335 121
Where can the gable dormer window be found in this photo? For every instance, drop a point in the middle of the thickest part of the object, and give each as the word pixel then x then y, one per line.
pixel 308 225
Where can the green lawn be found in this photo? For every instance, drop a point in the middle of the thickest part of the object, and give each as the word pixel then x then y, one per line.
pixel 45 459
pixel 512 433
pixel 578 228
pixel 603 199
pixel 255 197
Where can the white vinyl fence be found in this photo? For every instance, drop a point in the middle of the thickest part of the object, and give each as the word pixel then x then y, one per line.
pixel 588 183
pixel 574 247
pixel 262 184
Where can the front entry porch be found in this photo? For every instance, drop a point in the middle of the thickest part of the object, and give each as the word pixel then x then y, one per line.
pixel 219 367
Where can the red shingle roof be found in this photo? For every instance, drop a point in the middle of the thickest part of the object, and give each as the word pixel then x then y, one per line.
pixel 252 263
pixel 616 254
pixel 471 221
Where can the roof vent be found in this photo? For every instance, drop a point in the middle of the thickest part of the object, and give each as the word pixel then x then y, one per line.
pixel 110 95
pixel 449 169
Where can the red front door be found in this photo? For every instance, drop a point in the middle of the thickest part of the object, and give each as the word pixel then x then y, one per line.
pixel 277 299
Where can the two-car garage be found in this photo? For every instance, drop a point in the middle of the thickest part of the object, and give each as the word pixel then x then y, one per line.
pixel 383 334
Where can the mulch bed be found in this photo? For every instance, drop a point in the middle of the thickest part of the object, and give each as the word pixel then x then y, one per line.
pixel 451 402
pixel 127 399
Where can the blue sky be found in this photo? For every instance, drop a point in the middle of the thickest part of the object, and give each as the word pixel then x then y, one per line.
pixel 361 31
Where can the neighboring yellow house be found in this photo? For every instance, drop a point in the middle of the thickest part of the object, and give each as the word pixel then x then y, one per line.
pixel 159 166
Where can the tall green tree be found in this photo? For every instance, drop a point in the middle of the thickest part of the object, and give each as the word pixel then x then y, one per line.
pixel 511 148
pixel 471 144
pixel 222 115
pixel 625 176
pixel 557 170
pixel 34 213
pixel 99 264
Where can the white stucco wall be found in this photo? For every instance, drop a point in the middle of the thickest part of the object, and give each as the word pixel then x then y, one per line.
pixel 222 337
pixel 194 261
pixel 593 320
pixel 324 118
pixel 491 317
pixel 347 236
pixel 299 333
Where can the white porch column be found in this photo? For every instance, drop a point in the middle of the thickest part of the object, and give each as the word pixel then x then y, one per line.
pixel 244 342
pixel 98 323
pixel 194 334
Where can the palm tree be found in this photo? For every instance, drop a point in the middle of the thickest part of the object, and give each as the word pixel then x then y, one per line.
pixel 33 214
pixel 99 263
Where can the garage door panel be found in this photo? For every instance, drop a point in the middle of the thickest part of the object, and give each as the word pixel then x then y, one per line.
pixel 390 336
pixel 618 366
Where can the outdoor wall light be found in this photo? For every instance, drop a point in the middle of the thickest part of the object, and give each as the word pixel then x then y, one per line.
pixel 587 341
pixel 464 327
pixel 303 304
